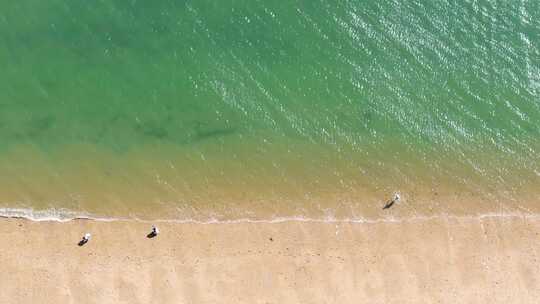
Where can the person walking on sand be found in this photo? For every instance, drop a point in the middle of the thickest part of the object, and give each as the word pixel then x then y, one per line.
pixel 85 239
pixel 154 232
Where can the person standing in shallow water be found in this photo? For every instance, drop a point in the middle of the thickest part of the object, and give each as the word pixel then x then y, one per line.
pixel 392 202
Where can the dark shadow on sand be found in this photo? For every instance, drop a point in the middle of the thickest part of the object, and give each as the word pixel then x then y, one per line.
pixel 82 242
pixel 151 235
pixel 389 204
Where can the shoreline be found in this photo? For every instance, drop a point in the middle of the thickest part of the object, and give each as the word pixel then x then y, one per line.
pixel 27 214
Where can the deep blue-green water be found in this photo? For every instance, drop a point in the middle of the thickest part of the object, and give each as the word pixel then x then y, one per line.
pixel 181 109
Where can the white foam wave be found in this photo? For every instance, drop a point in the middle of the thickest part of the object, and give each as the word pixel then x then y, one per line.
pixel 51 215
pixel 65 215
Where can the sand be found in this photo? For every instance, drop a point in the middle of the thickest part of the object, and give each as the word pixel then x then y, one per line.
pixel 491 259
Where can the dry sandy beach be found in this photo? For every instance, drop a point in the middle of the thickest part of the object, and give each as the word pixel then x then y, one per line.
pixel 491 259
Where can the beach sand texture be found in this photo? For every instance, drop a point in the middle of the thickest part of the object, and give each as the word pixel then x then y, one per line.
pixel 490 259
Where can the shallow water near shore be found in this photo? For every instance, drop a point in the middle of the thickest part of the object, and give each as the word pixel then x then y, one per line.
pixel 257 109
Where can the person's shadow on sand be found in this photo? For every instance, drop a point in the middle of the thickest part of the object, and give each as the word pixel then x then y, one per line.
pixel 389 204
pixel 82 242
pixel 151 235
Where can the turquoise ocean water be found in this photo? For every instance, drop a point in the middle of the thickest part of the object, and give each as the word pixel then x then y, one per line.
pixel 255 109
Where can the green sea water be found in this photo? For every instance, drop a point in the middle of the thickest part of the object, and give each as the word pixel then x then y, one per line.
pixel 234 109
